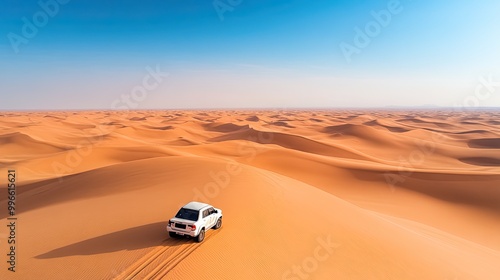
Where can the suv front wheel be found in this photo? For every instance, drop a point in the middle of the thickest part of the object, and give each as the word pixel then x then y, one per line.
pixel 218 224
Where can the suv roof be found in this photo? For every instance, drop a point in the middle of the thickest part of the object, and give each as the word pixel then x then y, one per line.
pixel 195 205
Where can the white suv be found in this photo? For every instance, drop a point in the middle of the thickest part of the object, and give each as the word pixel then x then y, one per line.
pixel 193 219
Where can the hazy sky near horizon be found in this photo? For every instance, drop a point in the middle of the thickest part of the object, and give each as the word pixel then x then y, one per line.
pixel 76 54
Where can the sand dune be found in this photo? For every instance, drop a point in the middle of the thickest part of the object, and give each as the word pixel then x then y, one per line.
pixel 305 194
pixel 482 161
pixel 226 127
pixel 253 119
pixel 485 143
pixel 391 127
pixel 23 145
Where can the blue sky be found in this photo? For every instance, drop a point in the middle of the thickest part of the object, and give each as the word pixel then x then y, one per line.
pixel 96 54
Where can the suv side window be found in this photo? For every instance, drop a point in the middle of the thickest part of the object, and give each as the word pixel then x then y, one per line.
pixel 205 213
pixel 211 211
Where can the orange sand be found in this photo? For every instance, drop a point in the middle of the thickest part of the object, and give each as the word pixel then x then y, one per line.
pixel 395 195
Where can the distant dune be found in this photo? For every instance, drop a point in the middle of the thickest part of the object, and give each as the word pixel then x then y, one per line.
pixel 305 194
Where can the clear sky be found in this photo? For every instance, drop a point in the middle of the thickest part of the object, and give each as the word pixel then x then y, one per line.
pixel 88 54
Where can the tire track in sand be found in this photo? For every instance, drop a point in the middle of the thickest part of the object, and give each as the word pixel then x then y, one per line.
pixel 158 262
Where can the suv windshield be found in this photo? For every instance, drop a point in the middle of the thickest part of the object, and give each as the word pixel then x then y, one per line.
pixel 187 214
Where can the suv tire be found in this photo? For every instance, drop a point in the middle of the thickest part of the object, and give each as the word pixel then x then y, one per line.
pixel 218 224
pixel 201 236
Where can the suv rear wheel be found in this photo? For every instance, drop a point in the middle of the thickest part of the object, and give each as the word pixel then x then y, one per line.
pixel 201 236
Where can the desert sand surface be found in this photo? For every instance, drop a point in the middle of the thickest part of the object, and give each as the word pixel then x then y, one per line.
pixel 306 194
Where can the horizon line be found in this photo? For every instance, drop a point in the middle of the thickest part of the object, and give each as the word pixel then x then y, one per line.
pixel 388 108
